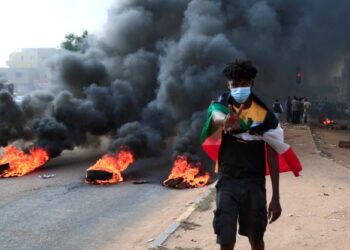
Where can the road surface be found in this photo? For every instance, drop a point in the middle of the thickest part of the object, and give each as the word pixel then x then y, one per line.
pixel 65 213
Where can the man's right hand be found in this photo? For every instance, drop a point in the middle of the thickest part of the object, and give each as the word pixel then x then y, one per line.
pixel 274 210
pixel 231 121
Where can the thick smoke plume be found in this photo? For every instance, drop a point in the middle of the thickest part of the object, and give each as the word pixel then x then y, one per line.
pixel 158 66
pixel 11 119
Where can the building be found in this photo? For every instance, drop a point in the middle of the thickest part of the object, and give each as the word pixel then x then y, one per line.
pixel 30 57
pixel 27 70
pixel 24 79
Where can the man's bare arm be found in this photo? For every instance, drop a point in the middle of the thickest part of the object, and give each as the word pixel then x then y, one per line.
pixel 274 210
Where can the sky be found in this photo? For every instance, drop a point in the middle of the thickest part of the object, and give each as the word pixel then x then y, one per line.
pixel 44 23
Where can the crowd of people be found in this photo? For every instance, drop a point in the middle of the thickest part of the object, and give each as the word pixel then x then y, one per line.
pixel 297 109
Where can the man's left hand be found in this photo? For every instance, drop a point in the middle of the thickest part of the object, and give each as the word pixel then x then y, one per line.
pixel 274 211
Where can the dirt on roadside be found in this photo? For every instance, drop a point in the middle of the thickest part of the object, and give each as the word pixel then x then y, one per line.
pixel 327 142
pixel 316 205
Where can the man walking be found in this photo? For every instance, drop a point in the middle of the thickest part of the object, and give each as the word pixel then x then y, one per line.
pixel 238 130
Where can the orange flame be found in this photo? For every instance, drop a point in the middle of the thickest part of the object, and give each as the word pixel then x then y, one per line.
pixel 186 175
pixel 112 164
pixel 327 121
pixel 21 163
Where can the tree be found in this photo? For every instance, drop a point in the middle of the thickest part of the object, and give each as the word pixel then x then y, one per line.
pixel 73 42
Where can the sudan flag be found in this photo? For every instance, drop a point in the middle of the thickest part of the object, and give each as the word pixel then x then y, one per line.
pixel 256 123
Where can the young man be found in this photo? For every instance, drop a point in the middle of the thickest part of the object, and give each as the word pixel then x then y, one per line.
pixel 240 133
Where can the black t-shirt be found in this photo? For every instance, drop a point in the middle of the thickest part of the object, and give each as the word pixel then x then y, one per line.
pixel 242 159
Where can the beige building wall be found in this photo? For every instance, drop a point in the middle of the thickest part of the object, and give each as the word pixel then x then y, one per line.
pixel 30 57
pixel 22 59
pixel 27 69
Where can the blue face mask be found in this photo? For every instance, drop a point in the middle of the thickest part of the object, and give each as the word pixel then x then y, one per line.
pixel 240 94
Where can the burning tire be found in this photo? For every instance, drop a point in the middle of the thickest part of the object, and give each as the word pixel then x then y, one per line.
pixel 95 175
pixel 107 170
pixel 186 175
pixel 4 167
pixel 15 162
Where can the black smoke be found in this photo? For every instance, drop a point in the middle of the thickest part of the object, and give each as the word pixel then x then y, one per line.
pixel 11 119
pixel 143 140
pixel 187 142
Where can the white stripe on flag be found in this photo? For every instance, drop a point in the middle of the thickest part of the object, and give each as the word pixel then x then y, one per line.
pixel 273 137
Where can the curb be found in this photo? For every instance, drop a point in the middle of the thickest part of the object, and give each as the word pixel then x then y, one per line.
pixel 176 224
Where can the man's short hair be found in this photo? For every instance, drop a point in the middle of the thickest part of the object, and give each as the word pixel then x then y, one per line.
pixel 240 70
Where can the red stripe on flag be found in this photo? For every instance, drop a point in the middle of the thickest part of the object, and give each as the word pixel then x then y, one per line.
pixel 211 146
pixel 288 161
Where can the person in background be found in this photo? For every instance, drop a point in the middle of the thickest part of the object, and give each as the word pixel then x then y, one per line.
pixel 288 106
pixel 301 109
pixel 294 110
pixel 306 114
pixel 277 108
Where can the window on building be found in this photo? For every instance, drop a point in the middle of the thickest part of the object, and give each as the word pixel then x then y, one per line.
pixel 18 74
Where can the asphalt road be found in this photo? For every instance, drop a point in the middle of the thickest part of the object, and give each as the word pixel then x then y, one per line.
pixel 65 213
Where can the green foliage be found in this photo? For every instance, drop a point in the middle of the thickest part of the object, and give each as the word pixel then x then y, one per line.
pixel 73 42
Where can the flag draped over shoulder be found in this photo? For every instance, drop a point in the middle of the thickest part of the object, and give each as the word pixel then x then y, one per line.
pixel 269 130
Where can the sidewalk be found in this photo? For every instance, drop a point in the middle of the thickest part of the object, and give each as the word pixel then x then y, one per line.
pixel 316 207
